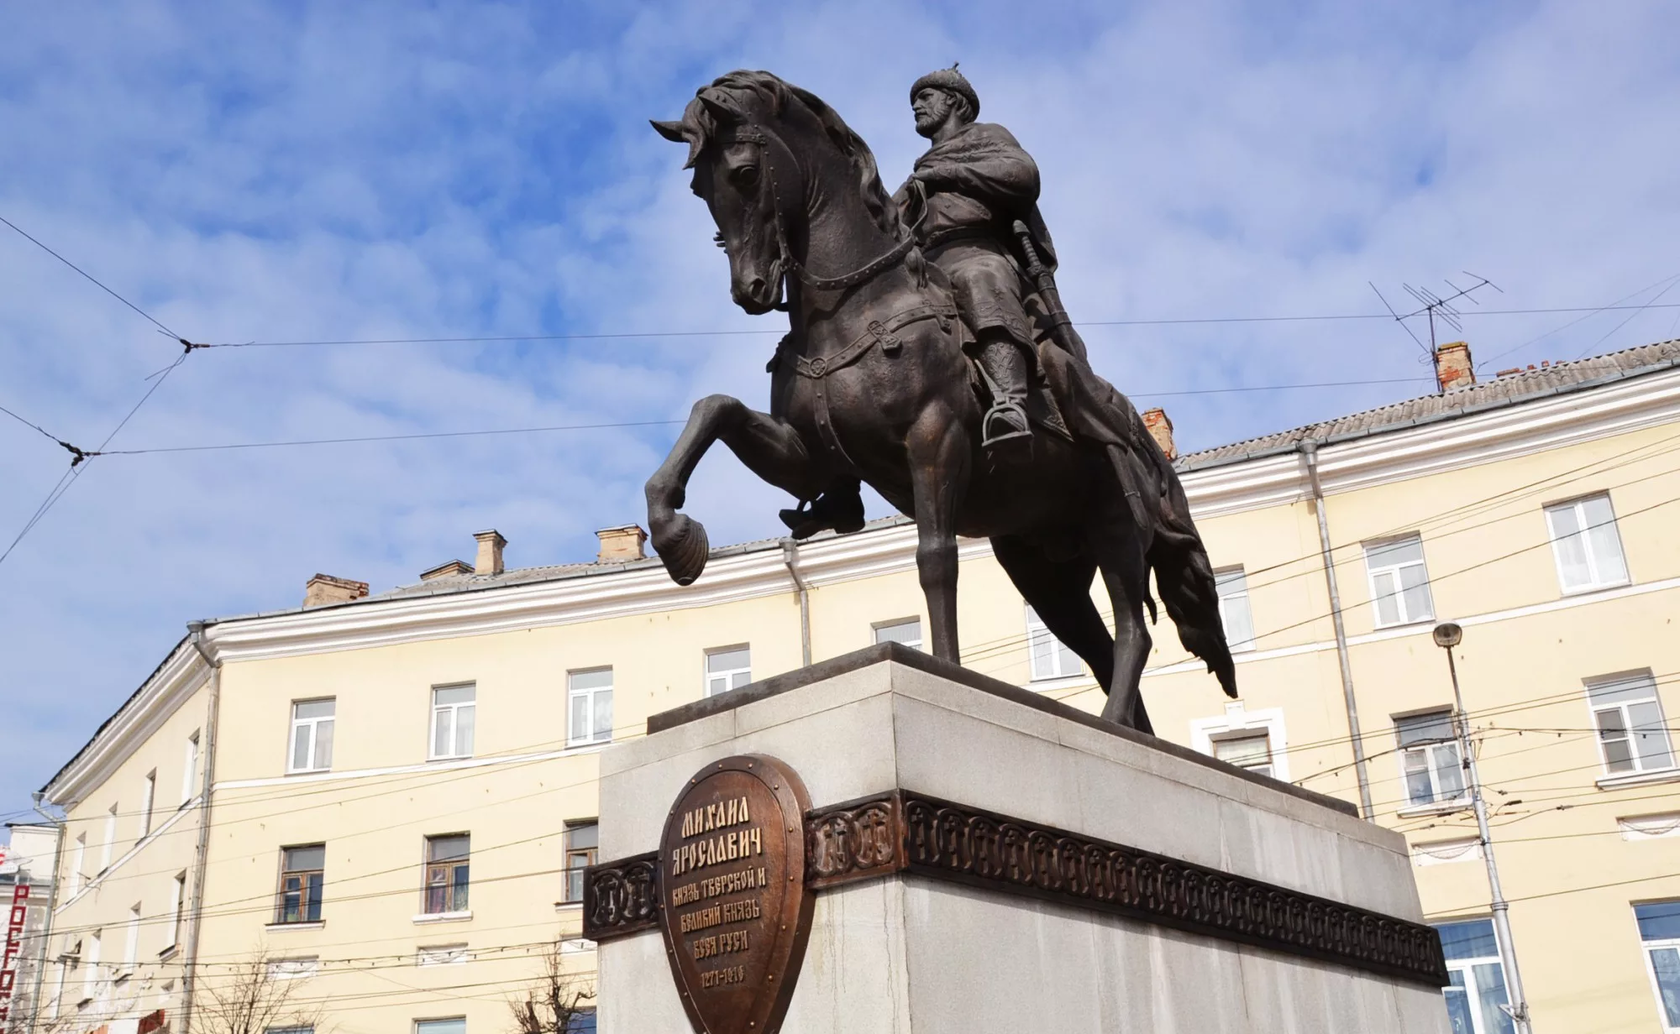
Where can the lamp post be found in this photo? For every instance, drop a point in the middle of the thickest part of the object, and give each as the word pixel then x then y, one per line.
pixel 1449 634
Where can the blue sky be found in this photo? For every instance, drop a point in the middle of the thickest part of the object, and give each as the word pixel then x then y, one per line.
pixel 298 171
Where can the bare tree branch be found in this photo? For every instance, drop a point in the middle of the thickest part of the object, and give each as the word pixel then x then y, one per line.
pixel 553 1003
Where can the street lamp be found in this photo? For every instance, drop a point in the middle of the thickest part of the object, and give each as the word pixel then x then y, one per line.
pixel 1447 635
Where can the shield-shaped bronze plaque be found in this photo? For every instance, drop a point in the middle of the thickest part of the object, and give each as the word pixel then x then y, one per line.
pixel 737 911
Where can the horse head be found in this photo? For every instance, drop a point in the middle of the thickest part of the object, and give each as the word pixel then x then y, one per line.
pixel 755 143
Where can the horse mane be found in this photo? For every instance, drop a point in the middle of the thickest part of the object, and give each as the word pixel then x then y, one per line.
pixel 729 100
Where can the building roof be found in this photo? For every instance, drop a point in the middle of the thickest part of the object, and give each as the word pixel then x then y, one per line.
pixel 1509 390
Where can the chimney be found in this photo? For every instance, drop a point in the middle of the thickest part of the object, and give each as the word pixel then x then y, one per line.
pixel 621 544
pixel 1452 366
pixel 1160 429
pixel 324 589
pixel 490 544
pixel 447 570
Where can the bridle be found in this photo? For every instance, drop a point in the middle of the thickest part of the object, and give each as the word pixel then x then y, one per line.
pixel 863 274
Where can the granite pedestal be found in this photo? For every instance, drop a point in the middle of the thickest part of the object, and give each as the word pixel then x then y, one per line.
pixel 1049 872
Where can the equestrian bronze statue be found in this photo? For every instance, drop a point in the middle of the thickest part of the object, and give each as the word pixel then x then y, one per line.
pixel 920 361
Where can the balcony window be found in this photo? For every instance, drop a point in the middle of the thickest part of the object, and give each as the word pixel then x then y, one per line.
pixel 1234 614
pixel 905 630
pixel 312 735
pixel 1659 930
pixel 1586 544
pixel 1629 718
pixel 1477 990
pixel 1399 582
pixel 447 875
pixel 1048 658
pixel 302 872
pixel 1429 758
pixel 727 669
pixel 590 698
pixel 582 843
pixel 454 712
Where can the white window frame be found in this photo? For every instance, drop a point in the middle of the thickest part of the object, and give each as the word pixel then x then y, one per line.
pixel 148 798
pixel 451 713
pixel 883 626
pixel 1238 719
pixel 107 849
pixel 91 976
pixel 1429 748
pixel 592 696
pixel 1597 575
pixel 1063 662
pixel 1646 948
pixel 1397 593
pixel 131 947
pixel 1231 585
pixel 722 680
pixel 78 865
pixel 177 903
pixel 311 728
pixel 422 1026
pixel 1643 680
pixel 1468 966
pixel 189 776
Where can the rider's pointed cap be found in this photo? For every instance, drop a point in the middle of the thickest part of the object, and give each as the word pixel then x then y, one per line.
pixel 952 80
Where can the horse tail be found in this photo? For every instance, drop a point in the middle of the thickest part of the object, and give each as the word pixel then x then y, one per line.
pixel 1183 573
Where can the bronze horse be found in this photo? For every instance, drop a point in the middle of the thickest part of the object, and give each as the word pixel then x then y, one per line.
pixel 872 383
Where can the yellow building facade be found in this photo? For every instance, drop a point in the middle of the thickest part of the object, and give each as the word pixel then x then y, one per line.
pixel 369 812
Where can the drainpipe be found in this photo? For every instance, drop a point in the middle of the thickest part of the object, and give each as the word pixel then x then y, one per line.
pixel 1309 452
pixel 790 557
pixel 196 913
pixel 52 903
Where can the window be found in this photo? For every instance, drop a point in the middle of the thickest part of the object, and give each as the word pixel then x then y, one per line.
pixel 301 875
pixel 90 979
pixel 583 1022
pixel 1659 929
pixel 458 1025
pixel 907 631
pixel 312 735
pixel 1586 544
pixel 131 951
pixel 78 877
pixel 178 900
pixel 1049 659
pixel 453 717
pixel 189 774
pixel 1399 582
pixel 727 669
pixel 148 793
pixel 1631 735
pixel 290 1030
pixel 1250 751
pixel 1429 759
pixel 61 969
pixel 1478 980
pixel 110 839
pixel 1234 614
pixel 582 841
pixel 589 694
pixel 446 873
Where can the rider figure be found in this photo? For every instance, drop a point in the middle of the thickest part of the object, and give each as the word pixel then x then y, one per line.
pixel 977 182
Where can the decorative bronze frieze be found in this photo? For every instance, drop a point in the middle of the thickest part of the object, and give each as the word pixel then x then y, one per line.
pixel 621 898
pixel 907 832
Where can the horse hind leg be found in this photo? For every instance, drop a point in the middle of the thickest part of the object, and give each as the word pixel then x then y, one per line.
pixel 1127 581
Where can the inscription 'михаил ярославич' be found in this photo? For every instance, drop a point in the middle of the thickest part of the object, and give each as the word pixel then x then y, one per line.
pixel 737 909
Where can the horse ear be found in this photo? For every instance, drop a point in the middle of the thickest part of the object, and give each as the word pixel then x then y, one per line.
pixel 672 131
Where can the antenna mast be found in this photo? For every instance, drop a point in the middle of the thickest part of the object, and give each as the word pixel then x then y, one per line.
pixel 1436 307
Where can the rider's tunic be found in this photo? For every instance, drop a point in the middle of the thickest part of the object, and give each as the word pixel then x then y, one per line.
pixel 978 183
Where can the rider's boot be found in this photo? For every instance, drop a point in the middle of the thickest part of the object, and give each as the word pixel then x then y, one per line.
pixel 1005 366
pixel 839 507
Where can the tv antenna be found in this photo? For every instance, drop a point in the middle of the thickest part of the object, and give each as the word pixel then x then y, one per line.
pixel 1437 308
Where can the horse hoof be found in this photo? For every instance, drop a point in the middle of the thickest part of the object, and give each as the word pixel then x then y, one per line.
pixel 685 550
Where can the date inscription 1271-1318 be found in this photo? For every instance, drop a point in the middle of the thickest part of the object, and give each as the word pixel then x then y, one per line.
pixel 737 910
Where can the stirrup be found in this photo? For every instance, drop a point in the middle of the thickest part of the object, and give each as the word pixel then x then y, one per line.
pixel 1012 415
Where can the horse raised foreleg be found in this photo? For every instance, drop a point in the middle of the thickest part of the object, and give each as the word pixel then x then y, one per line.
pixel 939 471
pixel 769 447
